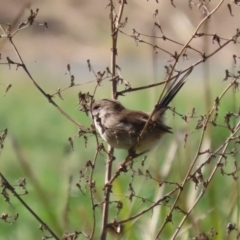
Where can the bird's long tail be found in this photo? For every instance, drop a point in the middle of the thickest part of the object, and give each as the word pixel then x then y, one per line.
pixel 172 91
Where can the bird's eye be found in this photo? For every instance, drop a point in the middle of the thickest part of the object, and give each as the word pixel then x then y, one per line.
pixel 96 107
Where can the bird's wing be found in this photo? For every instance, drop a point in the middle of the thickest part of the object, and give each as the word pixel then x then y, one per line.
pixel 134 121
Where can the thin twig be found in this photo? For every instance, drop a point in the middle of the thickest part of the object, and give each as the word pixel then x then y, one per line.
pixel 10 188
pixel 91 192
pixel 115 21
pixel 175 63
pixel 49 97
pixel 237 128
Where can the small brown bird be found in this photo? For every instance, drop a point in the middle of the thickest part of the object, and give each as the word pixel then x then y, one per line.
pixel 121 127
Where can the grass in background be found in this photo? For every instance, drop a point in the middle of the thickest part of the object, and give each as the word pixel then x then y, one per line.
pixel 38 134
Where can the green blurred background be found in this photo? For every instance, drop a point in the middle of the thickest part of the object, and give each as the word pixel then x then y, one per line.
pixel 37 146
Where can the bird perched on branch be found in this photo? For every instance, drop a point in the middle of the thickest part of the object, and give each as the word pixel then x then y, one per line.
pixel 121 127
